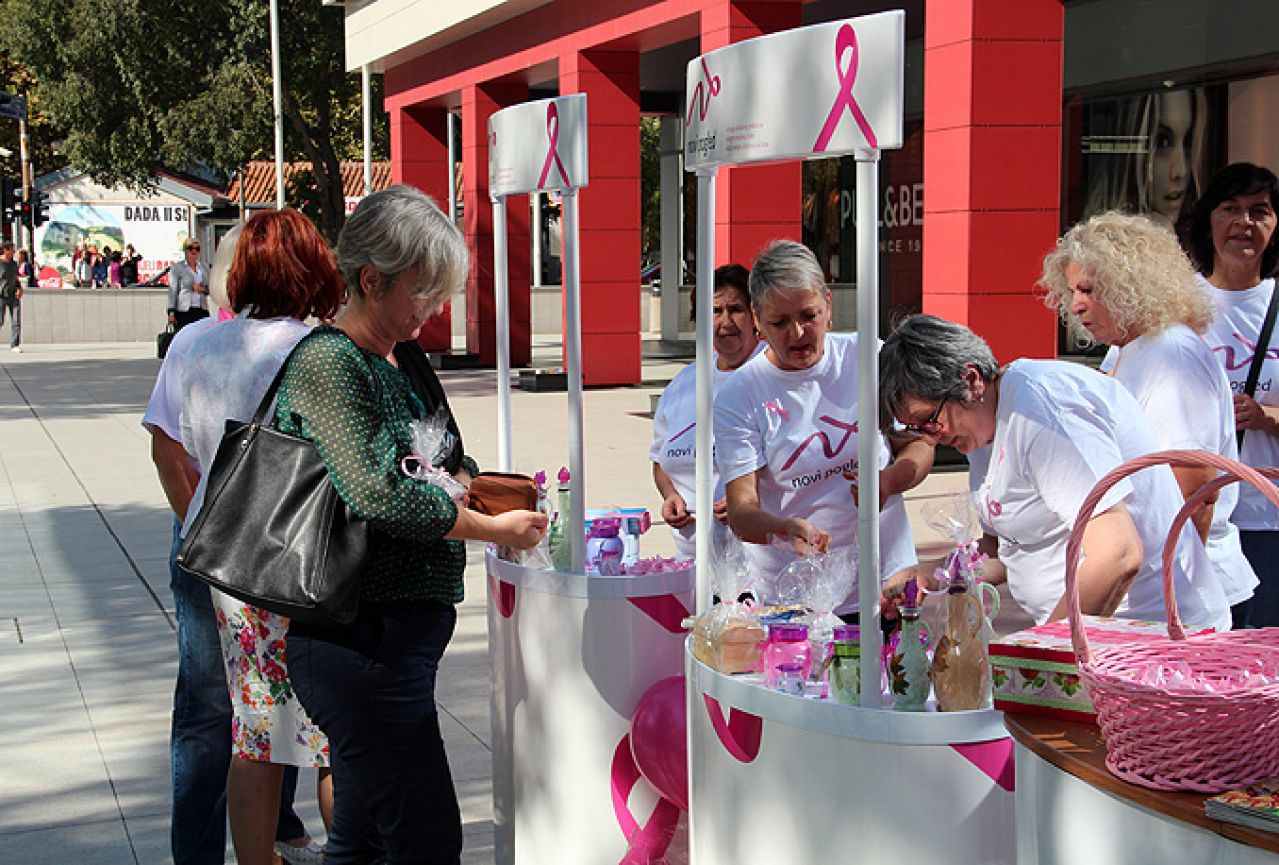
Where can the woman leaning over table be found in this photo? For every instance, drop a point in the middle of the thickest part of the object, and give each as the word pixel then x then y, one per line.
pixel 674 423
pixel 1039 434
pixel 786 429
pixel 1123 281
pixel 370 685
pixel 1233 243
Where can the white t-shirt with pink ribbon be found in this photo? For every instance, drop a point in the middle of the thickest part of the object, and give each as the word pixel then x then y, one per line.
pixel 800 427
pixel 1186 397
pixel 1232 336
pixel 1059 428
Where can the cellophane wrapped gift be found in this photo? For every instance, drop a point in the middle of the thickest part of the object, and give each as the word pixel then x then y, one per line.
pixel 819 582
pixel 1034 670
pixel 727 637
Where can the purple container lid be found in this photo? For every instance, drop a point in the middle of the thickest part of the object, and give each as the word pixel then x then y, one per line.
pixel 790 668
pixel 788 632
pixel 846 633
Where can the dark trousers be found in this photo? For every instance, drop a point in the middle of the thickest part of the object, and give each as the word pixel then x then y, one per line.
pixel 370 686
pixel 182 318
pixel 1261 549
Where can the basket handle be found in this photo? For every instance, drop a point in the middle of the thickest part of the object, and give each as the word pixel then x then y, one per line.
pixel 1074 547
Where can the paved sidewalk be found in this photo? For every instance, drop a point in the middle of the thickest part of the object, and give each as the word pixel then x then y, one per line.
pixel 86 635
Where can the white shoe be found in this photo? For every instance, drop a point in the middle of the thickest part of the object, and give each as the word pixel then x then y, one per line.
pixel 16 350
pixel 311 854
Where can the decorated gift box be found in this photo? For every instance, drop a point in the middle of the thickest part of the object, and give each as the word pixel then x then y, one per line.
pixel 1034 670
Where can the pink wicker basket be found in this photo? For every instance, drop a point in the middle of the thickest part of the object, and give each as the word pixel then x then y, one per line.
pixel 1178 739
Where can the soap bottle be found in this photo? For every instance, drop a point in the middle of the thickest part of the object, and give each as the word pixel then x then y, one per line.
pixel 561 549
pixel 961 668
pixel 909 665
pixel 787 644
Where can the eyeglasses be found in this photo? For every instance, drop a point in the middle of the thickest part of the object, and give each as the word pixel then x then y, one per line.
pixel 194 248
pixel 931 425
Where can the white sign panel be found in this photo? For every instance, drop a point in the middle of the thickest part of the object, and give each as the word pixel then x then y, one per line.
pixel 827 89
pixel 537 146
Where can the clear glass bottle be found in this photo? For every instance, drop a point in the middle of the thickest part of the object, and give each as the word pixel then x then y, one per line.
pixel 846 666
pixel 961 667
pixel 909 666
pixel 561 549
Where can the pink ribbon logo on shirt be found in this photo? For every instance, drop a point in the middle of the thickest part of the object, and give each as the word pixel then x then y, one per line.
pixel 708 87
pixel 772 407
pixel 845 40
pixel 553 154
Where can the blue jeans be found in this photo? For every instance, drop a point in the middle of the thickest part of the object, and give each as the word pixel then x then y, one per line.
pixel 370 686
pixel 200 739
pixel 1261 549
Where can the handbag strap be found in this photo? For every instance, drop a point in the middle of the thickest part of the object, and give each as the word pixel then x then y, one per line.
pixel 1259 353
pixel 268 398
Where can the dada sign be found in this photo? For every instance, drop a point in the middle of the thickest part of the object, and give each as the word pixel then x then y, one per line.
pixel 538 146
pixel 827 89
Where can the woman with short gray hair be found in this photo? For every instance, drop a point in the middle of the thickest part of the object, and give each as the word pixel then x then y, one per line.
pixel 1039 434
pixel 786 429
pixel 370 685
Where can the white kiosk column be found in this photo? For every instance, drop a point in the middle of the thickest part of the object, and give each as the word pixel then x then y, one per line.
pixel 672 226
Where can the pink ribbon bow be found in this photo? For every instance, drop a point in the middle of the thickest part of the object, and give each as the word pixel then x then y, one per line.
pixel 846 39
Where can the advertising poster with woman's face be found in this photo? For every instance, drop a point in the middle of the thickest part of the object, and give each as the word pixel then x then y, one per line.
pixel 1147 153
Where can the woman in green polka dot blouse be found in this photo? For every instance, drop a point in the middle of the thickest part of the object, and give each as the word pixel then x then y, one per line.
pixel 370 685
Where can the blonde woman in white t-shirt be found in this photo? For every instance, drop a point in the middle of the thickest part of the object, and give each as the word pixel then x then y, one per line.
pixel 1233 241
pixel 1123 281
pixel 786 429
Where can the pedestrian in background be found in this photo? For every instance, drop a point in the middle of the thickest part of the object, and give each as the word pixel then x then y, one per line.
pixel 188 287
pixel 129 266
pixel 10 295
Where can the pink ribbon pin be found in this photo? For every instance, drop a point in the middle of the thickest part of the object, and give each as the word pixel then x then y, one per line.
pixel 844 40
pixel 553 154
pixel 702 93
pixel 773 407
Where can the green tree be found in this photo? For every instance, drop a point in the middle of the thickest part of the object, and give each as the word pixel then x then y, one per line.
pixel 186 84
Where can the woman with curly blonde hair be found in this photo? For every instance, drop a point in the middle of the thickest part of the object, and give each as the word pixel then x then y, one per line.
pixel 1124 281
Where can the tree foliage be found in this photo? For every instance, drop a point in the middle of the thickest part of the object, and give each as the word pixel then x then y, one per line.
pixel 186 84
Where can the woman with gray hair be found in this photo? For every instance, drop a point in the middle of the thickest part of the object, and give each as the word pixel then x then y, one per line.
pixel 370 685
pixel 786 429
pixel 1124 280
pixel 1039 434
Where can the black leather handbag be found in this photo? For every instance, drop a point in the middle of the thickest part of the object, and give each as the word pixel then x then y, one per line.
pixel 273 531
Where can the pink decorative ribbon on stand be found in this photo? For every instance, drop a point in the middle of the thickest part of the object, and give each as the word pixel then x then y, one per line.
pixel 553 154
pixel 503 595
pixel 846 39
pixel 648 844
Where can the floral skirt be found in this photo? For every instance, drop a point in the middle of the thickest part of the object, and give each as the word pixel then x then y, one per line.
pixel 268 723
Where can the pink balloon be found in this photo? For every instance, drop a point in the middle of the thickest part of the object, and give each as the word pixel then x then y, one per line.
pixel 659 741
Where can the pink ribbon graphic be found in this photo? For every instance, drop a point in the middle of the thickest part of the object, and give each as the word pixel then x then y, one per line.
pixel 844 40
pixel 740 735
pixel 995 758
pixel 702 95
pixel 503 596
pixel 667 610
pixel 647 844
pixel 553 155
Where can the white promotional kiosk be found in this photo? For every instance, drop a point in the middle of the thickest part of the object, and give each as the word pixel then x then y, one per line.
pixel 571 654
pixel 776 778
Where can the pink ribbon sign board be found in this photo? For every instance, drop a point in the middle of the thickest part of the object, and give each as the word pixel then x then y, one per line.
pixel 538 146
pixel 827 89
